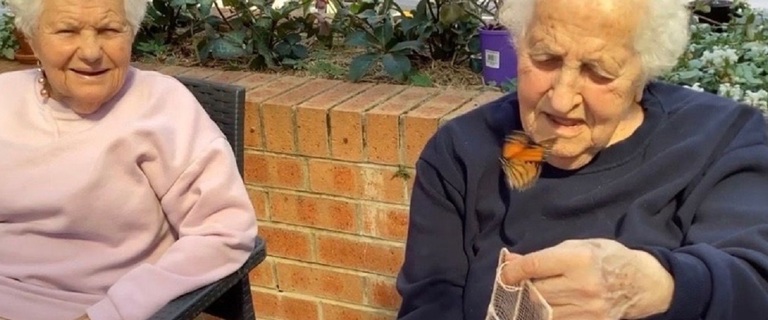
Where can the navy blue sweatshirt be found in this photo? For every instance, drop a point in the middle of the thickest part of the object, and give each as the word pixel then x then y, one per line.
pixel 709 232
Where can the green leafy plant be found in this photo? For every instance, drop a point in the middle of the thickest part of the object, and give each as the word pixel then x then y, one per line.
pixel 373 27
pixel 8 42
pixel 449 28
pixel 728 59
pixel 269 36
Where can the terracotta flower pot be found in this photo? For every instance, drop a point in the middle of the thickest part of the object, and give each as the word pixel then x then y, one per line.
pixel 25 54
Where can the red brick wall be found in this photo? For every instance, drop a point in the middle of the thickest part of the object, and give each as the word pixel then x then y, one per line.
pixel 327 165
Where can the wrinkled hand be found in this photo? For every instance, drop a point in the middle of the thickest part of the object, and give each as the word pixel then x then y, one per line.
pixel 594 279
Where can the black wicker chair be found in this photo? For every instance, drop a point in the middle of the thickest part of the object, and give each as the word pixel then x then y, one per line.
pixel 229 298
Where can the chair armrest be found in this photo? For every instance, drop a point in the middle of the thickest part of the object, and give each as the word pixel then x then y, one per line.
pixel 192 304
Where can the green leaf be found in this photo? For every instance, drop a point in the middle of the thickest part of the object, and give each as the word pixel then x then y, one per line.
pixel 204 48
pixel 290 62
pixel 476 65
pixel 8 53
pixel 690 74
pixel 420 80
pixel 263 50
pixel 293 38
pixel 300 51
pixel 178 3
pixel 357 39
pixel 222 48
pixel 360 66
pixel 384 32
pixel 473 45
pixel 396 65
pixel 414 45
pixel 205 7
pixel 282 48
pixel 451 13
pixel 409 23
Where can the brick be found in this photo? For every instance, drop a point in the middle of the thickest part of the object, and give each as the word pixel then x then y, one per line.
pixel 173 70
pixel 382 184
pixel 230 77
pixel 382 125
pixel 357 253
pixel 275 170
pixel 421 123
pixel 382 293
pixel 263 87
pixel 313 211
pixel 385 221
pixel 264 274
pixel 336 178
pixel 312 118
pixel 259 201
pixel 347 121
pixel 201 73
pixel 253 131
pixel 477 101
pixel 278 114
pixel 332 311
pixel 320 282
pixel 287 242
pixel 272 304
pixel 256 80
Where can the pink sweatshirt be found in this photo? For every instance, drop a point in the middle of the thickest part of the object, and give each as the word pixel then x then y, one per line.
pixel 117 213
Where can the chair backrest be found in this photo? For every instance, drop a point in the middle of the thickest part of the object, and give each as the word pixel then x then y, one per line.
pixel 225 104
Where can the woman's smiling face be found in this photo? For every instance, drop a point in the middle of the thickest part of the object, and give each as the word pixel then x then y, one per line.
pixel 84 47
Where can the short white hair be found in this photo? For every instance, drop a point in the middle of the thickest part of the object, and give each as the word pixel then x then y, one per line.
pixel 661 37
pixel 27 12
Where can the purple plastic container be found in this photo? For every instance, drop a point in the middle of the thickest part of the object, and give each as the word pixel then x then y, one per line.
pixel 499 56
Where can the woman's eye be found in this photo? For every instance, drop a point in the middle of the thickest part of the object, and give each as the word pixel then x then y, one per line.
pixel 598 76
pixel 547 62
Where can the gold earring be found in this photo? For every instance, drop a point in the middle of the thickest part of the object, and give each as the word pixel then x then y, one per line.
pixel 42 81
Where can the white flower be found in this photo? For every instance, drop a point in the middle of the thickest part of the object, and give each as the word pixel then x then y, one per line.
pixel 758 99
pixel 731 91
pixel 696 86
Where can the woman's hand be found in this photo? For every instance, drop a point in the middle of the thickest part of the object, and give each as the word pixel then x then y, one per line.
pixel 594 279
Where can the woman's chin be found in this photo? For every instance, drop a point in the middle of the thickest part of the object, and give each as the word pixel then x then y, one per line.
pixel 86 107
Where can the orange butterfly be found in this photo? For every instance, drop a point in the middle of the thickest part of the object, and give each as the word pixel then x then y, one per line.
pixel 522 157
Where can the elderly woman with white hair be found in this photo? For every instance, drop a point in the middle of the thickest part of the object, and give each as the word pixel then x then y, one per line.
pixel 615 195
pixel 118 193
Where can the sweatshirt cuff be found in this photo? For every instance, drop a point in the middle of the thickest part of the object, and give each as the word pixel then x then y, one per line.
pixel 104 310
pixel 693 287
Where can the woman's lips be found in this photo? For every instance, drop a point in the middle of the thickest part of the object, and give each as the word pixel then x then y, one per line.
pixel 90 73
pixel 564 121
pixel 565 127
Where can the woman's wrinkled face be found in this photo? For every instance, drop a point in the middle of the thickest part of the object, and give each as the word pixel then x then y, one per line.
pixel 579 78
pixel 84 47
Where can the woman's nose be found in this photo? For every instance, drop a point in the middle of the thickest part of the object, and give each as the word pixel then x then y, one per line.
pixel 565 94
pixel 90 49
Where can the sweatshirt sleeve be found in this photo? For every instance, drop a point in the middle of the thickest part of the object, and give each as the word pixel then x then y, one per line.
pixel 431 280
pixel 721 271
pixel 194 174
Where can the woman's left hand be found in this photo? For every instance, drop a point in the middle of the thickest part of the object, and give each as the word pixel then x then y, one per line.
pixel 594 279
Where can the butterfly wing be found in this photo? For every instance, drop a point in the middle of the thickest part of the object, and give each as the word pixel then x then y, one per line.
pixel 521 175
pixel 521 159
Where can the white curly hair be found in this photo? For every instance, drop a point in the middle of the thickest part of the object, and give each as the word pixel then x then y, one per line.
pixel 27 12
pixel 661 38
